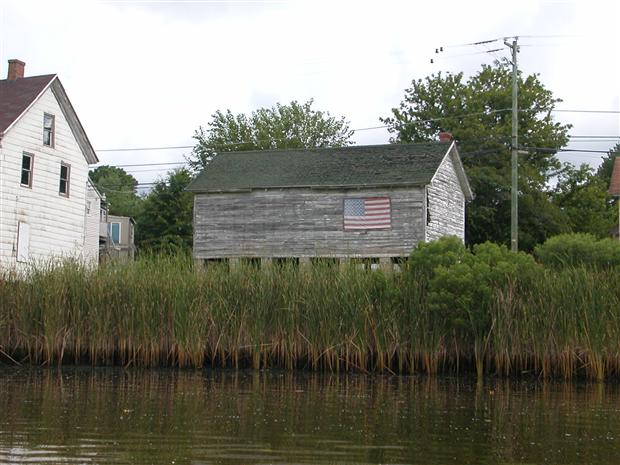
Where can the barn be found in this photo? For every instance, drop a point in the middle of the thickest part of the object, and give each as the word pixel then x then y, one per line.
pixel 370 202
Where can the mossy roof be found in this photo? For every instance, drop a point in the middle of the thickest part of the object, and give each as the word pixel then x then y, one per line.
pixel 354 166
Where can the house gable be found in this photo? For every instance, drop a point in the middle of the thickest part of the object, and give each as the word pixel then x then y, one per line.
pixel 18 96
pixel 56 222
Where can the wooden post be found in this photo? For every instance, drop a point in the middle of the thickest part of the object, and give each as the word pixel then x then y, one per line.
pixel 304 262
pixel 385 263
pixel 199 265
pixel 343 262
pixel 266 263
pixel 233 263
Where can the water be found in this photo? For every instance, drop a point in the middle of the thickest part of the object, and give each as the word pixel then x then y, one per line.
pixel 105 416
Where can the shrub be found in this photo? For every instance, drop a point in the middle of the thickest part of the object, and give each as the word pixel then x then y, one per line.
pixel 427 256
pixel 463 292
pixel 571 250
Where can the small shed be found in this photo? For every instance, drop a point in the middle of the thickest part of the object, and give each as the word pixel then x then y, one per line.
pixel 373 202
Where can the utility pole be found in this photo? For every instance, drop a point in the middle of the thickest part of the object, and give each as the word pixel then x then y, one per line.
pixel 514 204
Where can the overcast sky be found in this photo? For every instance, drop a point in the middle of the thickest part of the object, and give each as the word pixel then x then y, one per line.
pixel 149 73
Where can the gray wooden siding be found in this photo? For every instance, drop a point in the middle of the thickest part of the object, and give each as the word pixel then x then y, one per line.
pixel 446 203
pixel 301 223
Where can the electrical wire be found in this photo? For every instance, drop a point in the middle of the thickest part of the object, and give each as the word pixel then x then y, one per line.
pixel 177 147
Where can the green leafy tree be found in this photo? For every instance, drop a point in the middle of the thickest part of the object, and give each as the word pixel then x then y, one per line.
pixel 606 168
pixel 583 197
pixel 296 125
pixel 165 224
pixel 120 189
pixel 477 112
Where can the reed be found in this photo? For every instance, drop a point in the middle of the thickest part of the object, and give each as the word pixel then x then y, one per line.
pixel 160 311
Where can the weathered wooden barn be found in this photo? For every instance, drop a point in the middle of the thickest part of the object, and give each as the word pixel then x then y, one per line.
pixel 373 202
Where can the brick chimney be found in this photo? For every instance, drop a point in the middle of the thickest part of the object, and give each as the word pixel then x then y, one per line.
pixel 445 136
pixel 16 70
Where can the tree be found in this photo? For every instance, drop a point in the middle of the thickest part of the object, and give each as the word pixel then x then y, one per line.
pixel 283 126
pixel 606 168
pixel 119 188
pixel 583 197
pixel 165 223
pixel 477 113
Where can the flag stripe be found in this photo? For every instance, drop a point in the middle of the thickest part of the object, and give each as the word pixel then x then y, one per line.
pixel 367 213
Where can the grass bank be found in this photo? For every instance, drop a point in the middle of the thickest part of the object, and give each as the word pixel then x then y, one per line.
pixel 161 312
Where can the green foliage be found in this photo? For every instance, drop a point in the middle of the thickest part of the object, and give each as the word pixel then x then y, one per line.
pixel 296 125
pixel 582 196
pixel 464 291
pixel 427 256
pixel 477 112
pixel 606 168
pixel 492 308
pixel 165 224
pixel 574 250
pixel 119 188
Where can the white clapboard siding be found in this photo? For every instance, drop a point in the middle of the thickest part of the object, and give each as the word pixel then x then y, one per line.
pixel 446 203
pixel 91 240
pixel 56 222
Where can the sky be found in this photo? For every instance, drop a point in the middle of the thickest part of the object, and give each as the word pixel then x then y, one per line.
pixel 144 74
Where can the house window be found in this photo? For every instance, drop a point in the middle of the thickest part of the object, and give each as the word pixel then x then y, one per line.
pixel 114 230
pixel 65 171
pixel 26 179
pixel 48 130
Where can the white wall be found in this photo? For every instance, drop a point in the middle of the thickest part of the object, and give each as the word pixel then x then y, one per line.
pixel 446 203
pixel 57 223
pixel 91 240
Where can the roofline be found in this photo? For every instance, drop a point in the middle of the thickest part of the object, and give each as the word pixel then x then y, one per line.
pixel 88 151
pixel 87 148
pixel 47 86
pixel 314 149
pixel 130 218
pixel 92 184
pixel 309 186
pixel 460 171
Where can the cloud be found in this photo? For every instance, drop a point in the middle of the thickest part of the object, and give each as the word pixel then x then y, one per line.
pixel 149 73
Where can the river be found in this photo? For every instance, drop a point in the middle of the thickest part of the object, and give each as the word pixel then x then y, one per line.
pixel 115 416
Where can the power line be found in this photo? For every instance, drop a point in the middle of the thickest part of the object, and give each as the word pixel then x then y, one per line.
pixel 430 120
pixel 228 144
pixel 137 149
pixel 557 150
pixel 596 138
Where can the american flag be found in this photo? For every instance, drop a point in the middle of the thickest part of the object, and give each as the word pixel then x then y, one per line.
pixel 368 213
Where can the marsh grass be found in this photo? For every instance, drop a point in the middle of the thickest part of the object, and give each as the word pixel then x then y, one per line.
pixel 160 311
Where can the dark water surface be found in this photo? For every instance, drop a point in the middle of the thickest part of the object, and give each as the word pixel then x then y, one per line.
pixel 85 415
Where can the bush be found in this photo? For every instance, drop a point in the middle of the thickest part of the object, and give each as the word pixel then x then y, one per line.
pixel 463 292
pixel 571 250
pixel 427 256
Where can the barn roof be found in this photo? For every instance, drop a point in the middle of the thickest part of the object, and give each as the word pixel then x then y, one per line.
pixel 355 166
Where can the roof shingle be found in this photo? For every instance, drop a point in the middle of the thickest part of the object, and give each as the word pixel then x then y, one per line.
pixel 391 164
pixel 16 95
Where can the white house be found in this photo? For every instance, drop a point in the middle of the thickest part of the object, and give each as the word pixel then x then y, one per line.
pixel 47 208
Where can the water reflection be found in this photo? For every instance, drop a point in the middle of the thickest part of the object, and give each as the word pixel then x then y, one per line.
pixel 115 416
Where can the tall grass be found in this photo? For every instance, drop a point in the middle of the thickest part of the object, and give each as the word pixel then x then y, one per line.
pixel 163 312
